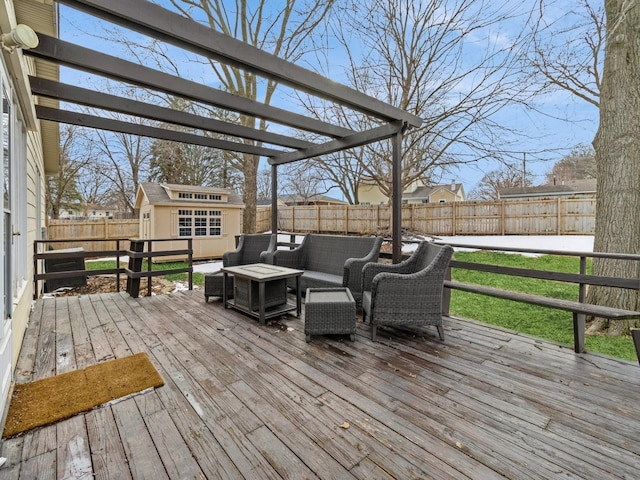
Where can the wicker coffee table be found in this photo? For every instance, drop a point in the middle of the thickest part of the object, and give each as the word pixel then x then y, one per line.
pixel 329 310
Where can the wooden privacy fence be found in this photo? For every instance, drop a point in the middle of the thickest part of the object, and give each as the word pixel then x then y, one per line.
pixel 561 216
pixel 92 234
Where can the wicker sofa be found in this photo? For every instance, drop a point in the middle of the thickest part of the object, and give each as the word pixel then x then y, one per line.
pixel 329 261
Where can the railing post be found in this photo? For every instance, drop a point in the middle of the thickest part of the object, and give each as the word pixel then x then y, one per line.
pixel 135 266
pixel 190 257
pixel 35 269
pixel 635 334
pixel 446 294
pixel 118 265
pixel 149 262
pixel 579 319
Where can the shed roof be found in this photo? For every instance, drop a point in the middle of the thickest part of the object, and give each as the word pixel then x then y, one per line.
pixel 158 194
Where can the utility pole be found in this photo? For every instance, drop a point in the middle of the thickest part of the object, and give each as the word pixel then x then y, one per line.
pixel 524 169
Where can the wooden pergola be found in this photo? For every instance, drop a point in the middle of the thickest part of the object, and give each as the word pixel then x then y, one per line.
pixel 153 20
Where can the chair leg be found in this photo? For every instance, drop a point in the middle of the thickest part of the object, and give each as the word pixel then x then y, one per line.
pixel 373 333
pixel 441 332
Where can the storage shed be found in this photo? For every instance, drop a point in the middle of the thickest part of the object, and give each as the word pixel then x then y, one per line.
pixel 211 216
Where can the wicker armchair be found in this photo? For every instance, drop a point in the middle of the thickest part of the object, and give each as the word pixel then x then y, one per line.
pixel 248 251
pixel 407 293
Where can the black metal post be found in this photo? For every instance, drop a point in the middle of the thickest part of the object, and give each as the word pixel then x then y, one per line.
pixel 396 198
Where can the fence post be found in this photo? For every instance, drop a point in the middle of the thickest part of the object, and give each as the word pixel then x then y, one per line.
pixel 453 219
pixel 346 219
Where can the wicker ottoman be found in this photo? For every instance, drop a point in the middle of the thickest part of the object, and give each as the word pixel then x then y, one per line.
pixel 213 285
pixel 329 310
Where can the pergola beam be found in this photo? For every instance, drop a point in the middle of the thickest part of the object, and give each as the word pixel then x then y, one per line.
pixel 92 61
pixel 85 120
pixel 104 101
pixel 160 23
pixel 382 132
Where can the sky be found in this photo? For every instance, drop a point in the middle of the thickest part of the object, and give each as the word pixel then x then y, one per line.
pixel 561 122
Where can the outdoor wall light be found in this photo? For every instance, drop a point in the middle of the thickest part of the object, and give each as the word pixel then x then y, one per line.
pixel 22 36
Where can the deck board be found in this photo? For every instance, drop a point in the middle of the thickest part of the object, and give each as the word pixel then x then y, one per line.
pixel 242 400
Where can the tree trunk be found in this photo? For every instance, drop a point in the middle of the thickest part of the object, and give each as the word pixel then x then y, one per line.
pixel 250 193
pixel 617 148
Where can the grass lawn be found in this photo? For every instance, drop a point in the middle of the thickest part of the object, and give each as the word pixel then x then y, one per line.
pixel 542 322
pixel 198 278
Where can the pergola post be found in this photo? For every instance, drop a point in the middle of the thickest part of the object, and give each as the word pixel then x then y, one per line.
pixel 274 199
pixel 396 197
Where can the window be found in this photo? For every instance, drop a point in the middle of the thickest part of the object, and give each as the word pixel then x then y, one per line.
pixel 185 195
pixel 200 196
pixel 215 223
pixel 199 223
pixel 442 200
pixel 215 197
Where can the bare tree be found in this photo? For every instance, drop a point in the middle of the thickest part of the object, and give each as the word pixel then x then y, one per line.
pixel 283 31
pixel 579 164
pixel 597 60
pixel 124 160
pixel 303 181
pixel 93 187
pixel 617 147
pixel 492 182
pixel 439 60
pixel 263 184
pixel 62 188
pixel 566 50
pixel 185 164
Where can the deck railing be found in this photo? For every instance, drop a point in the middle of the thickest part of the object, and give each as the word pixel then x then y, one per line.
pixel 135 250
pixel 582 279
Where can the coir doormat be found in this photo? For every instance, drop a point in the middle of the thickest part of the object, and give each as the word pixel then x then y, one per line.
pixel 49 400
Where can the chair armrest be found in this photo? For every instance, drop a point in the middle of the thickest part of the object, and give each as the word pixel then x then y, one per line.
pixel 392 290
pixel 352 275
pixel 232 258
pixel 370 270
pixel 267 255
pixel 290 258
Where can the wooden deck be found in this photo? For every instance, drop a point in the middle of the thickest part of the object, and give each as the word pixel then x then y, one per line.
pixel 245 401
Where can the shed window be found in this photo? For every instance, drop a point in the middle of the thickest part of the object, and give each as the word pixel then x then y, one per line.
pixel 215 197
pixel 199 223
pixel 185 195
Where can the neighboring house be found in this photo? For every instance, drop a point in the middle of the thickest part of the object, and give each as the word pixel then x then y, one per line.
pixel 417 193
pixel 266 202
pixel 292 200
pixel 29 153
pixel 211 216
pixel 88 212
pixel 571 188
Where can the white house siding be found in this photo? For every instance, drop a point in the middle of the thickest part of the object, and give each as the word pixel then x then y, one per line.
pixel 27 198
